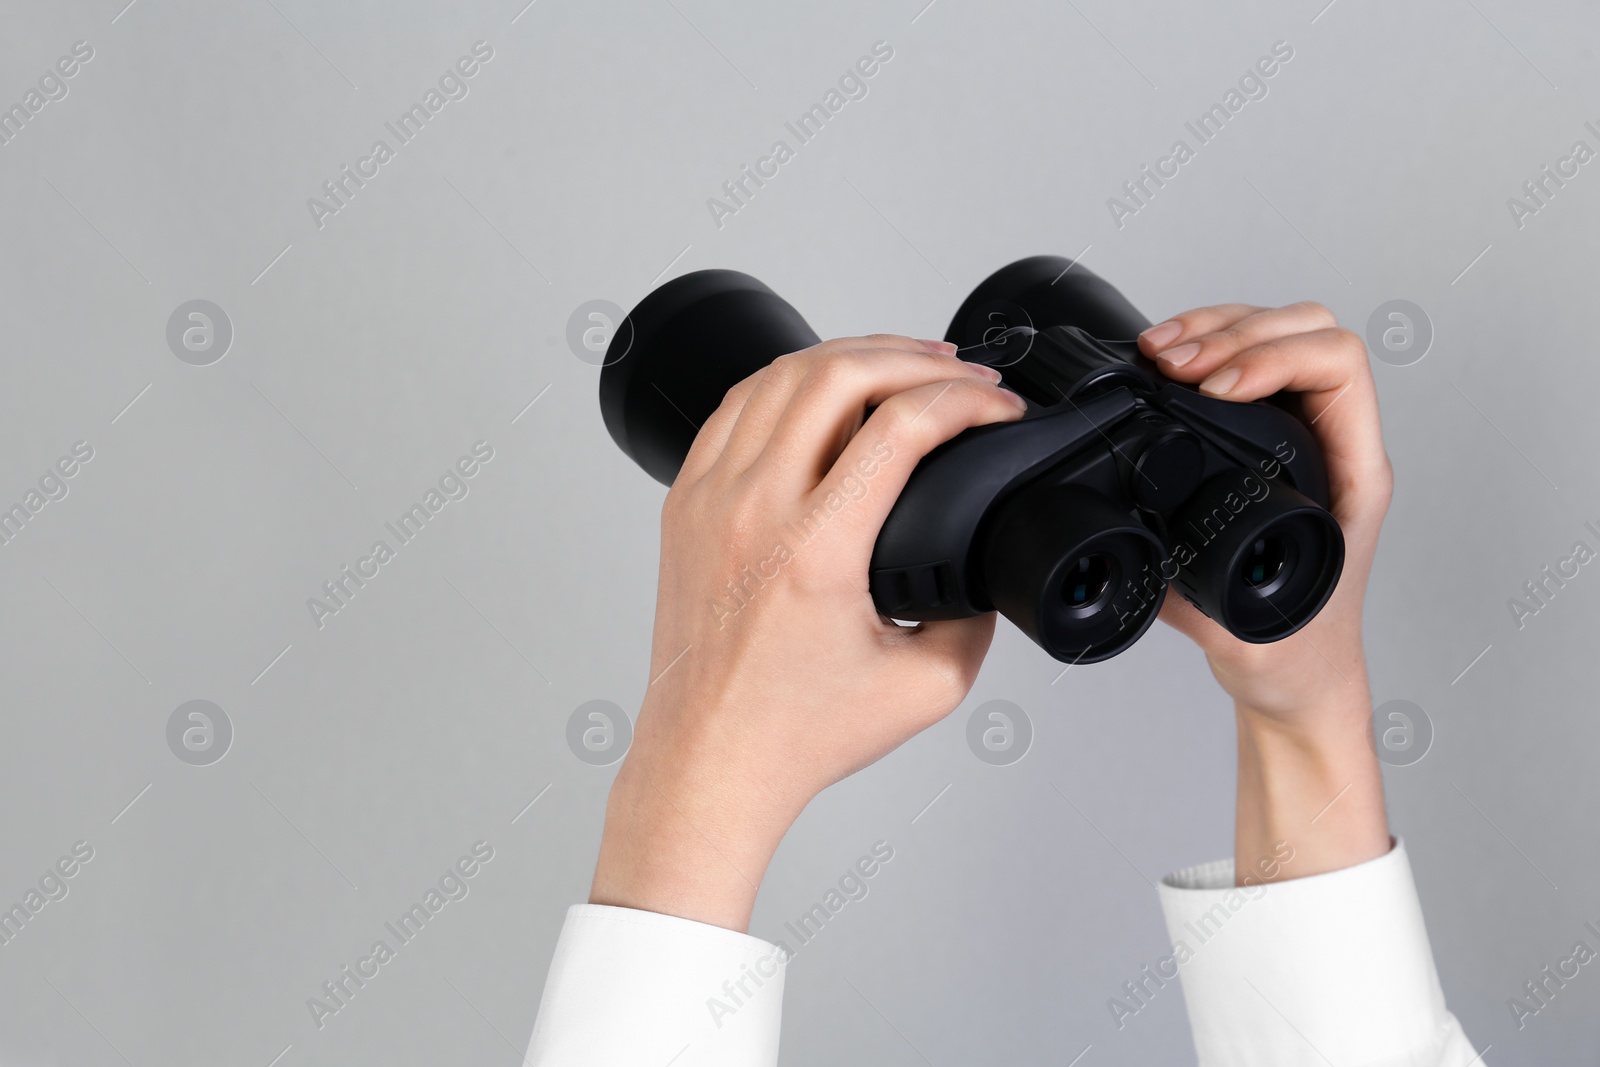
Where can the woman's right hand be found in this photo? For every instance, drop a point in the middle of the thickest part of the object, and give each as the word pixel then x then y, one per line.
pixel 772 673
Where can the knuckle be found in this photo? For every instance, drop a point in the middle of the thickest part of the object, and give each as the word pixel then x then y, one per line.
pixel 1229 337
pixel 963 676
pixel 1383 480
pixel 913 415
pixel 978 394
pixel 1242 658
pixel 957 394
pixel 895 413
pixel 788 366
pixel 1253 659
pixel 1350 343
pixel 673 508
pixel 1316 310
pixel 834 370
pixel 782 374
pixel 901 414
pixel 732 403
pixel 943 684
pixel 1273 349
pixel 953 680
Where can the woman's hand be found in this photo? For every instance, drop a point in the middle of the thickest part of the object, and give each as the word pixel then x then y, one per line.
pixel 772 675
pixel 1303 704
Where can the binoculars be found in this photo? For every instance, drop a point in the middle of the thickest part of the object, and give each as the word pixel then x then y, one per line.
pixel 1073 521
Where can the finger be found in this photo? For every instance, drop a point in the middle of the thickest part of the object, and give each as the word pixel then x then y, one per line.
pixel 783 376
pixel 828 406
pixel 1329 368
pixel 874 466
pixel 1204 350
pixel 1190 621
pixel 712 439
pixel 895 340
pixel 1191 324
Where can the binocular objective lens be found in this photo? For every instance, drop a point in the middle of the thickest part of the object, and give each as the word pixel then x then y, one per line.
pixel 1264 560
pixel 1088 580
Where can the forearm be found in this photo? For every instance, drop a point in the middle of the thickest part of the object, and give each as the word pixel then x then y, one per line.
pixel 1310 794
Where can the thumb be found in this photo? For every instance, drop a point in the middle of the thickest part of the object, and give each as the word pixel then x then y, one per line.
pixel 946 655
pixel 1190 621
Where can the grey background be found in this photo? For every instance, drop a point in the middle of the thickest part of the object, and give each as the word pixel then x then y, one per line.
pixel 371 754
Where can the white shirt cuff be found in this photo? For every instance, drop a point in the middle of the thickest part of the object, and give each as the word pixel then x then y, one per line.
pixel 630 988
pixel 1333 968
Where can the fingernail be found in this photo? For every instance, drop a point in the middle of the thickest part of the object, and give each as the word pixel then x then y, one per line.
pixel 1219 383
pixel 943 348
pixel 987 371
pixel 1017 399
pixel 1180 355
pixel 1162 334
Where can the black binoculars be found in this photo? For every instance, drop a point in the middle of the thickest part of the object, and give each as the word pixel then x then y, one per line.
pixel 1071 522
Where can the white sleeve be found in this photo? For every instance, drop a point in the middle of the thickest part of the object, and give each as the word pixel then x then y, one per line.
pixel 628 988
pixel 1333 968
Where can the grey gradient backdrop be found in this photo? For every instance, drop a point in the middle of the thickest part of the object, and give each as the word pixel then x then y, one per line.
pixel 425 316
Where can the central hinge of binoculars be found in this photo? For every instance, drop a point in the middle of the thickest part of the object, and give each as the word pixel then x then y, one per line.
pixel 1061 363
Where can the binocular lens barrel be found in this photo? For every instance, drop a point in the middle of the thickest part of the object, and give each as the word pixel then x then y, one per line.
pixel 1073 572
pixel 678 353
pixel 1043 291
pixel 1255 555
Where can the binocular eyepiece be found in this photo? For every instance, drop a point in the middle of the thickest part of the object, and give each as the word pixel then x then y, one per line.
pixel 1071 522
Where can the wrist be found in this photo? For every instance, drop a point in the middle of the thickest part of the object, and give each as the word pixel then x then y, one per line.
pixel 1310 788
pixel 681 842
pixel 1321 744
